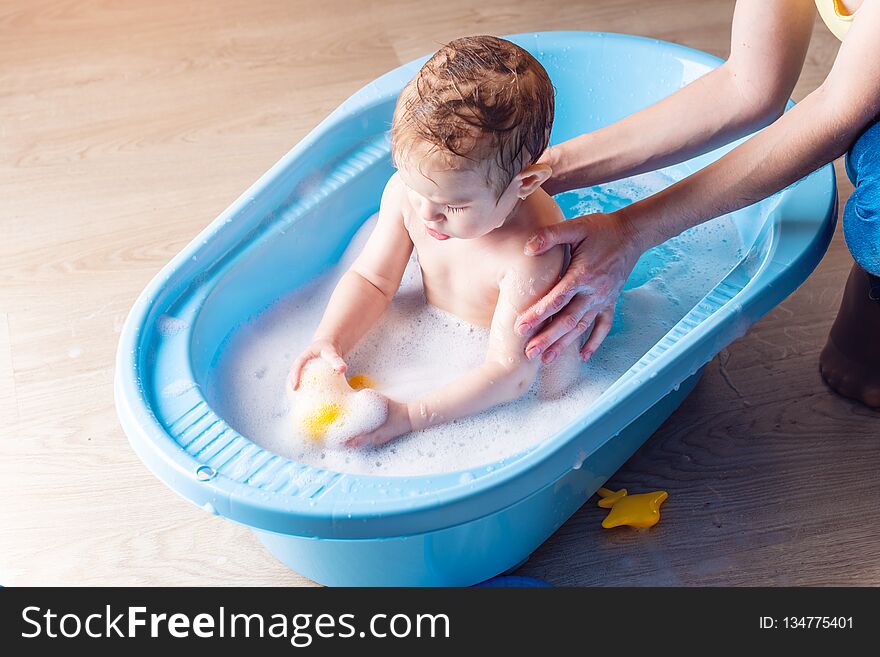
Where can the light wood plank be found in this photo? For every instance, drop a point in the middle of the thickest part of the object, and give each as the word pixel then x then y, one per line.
pixel 126 127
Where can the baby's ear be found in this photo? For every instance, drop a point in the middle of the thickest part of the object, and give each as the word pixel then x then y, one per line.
pixel 531 178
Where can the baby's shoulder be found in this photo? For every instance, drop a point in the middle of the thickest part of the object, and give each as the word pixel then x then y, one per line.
pixel 541 212
pixel 394 192
pixel 539 270
pixel 392 207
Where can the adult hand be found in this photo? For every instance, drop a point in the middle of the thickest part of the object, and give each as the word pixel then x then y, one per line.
pixel 604 251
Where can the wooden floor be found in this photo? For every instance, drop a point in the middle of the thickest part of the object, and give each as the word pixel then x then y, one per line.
pixel 125 127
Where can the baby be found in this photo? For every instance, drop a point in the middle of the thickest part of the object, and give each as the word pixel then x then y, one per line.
pixel 466 135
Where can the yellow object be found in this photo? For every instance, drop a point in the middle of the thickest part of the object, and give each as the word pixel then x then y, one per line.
pixel 835 16
pixel 328 410
pixel 642 510
pixel 316 424
pixel 361 381
pixel 609 497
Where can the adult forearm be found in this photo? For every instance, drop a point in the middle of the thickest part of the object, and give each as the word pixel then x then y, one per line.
pixel 767 48
pixel 810 135
pixel 706 114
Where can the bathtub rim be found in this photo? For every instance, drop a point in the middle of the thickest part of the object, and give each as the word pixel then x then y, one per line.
pixel 506 484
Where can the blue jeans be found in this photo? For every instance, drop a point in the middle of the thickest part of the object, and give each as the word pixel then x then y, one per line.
pixel 861 217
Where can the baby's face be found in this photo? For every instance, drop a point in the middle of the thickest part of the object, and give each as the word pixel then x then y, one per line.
pixel 457 203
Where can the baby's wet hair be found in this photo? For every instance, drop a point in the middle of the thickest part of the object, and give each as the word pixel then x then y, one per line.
pixel 478 98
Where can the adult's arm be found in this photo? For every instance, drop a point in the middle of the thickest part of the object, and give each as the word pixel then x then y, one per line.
pixel 767 48
pixel 816 131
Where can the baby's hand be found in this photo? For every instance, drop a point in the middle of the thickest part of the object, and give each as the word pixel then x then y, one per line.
pixel 396 424
pixel 318 349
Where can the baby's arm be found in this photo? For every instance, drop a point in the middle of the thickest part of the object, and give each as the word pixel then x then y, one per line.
pixel 504 375
pixel 365 290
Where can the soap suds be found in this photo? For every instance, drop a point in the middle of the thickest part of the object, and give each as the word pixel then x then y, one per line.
pixel 169 326
pixel 327 411
pixel 415 348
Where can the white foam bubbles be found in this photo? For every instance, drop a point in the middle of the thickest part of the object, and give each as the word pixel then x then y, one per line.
pixel 169 326
pixel 415 348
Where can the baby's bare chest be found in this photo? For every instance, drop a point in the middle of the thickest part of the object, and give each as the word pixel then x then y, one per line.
pixel 459 278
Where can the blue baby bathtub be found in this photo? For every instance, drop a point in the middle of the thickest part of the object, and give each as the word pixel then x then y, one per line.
pixel 457 528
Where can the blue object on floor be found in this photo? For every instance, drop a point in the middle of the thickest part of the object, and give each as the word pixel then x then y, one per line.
pixel 457 528
pixel 516 582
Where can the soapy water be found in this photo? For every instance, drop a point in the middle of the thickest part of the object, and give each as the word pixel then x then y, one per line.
pixel 415 348
pixel 169 326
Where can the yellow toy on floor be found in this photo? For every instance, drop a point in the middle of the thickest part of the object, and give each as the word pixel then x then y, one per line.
pixel 329 410
pixel 642 510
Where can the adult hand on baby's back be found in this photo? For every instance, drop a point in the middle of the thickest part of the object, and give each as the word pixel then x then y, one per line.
pixel 603 253
pixel 318 349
